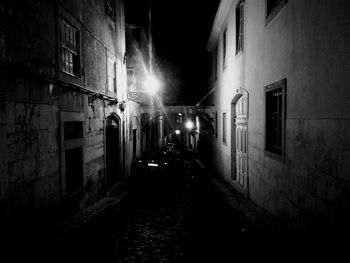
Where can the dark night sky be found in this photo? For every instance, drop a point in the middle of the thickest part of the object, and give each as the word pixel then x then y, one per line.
pixel 180 32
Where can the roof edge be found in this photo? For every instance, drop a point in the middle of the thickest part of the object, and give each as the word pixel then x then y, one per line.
pixel 220 17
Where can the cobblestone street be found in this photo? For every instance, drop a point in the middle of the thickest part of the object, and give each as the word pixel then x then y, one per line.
pixel 180 219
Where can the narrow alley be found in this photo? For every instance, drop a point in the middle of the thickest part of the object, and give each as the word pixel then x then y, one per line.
pixel 179 219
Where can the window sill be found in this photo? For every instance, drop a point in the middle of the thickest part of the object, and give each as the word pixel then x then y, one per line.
pixel 239 53
pixel 275 156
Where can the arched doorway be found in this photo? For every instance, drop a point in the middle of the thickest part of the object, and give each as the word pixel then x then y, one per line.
pixel 113 173
pixel 239 142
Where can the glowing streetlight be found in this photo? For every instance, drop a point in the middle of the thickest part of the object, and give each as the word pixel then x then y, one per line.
pixel 177 132
pixel 152 85
pixel 189 124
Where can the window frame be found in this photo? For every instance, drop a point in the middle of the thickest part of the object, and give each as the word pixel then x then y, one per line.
pixel 282 86
pixel 224 128
pixel 110 9
pixel 216 64
pixel 270 15
pixel 224 48
pixel 72 48
pixel 69 144
pixel 239 12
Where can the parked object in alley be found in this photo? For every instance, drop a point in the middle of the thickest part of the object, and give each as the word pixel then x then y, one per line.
pixel 153 163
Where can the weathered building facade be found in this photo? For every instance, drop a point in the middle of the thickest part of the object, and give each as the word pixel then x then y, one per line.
pixel 64 113
pixel 281 79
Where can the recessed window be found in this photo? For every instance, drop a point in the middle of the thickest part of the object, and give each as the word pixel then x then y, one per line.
pixel 275 117
pixel 70 49
pixel 224 139
pixel 178 118
pixel 224 40
pixel 239 26
pixel 112 72
pixel 216 124
pixel 216 62
pixel 73 156
pixel 273 7
pixel 110 8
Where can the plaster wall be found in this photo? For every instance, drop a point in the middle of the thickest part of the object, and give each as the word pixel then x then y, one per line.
pixel 307 43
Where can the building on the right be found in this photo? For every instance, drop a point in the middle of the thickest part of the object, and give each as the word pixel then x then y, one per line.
pixel 281 74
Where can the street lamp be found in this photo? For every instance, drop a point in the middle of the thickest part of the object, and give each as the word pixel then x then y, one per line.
pixel 189 124
pixel 152 85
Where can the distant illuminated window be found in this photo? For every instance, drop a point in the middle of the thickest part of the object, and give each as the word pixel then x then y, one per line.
pixel 178 118
pixel 70 49
pixel 239 26
pixel 110 9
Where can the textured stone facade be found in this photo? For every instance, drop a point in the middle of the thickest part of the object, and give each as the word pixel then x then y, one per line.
pixel 42 98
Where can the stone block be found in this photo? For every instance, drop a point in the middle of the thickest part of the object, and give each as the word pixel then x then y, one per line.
pixel 93 152
pixel 23 171
pixel 49 164
pixel 22 145
pixel 344 164
pixel 11 117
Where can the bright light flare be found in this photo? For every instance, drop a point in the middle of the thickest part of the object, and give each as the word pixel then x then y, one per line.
pixel 152 85
pixel 189 125
pixel 177 132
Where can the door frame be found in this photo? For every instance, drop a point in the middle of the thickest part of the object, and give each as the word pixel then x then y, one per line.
pixel 239 94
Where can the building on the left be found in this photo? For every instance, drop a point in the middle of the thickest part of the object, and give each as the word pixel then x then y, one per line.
pixel 64 113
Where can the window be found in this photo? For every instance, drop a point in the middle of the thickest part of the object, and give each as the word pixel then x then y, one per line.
pixel 111 71
pixel 178 118
pixel 275 117
pixel 224 39
pixel 110 9
pixel 216 124
pixel 73 156
pixel 239 26
pixel 224 127
pixel 70 49
pixel 273 7
pixel 216 62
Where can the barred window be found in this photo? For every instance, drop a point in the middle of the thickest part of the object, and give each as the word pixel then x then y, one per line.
pixel 239 26
pixel 275 111
pixel 70 49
